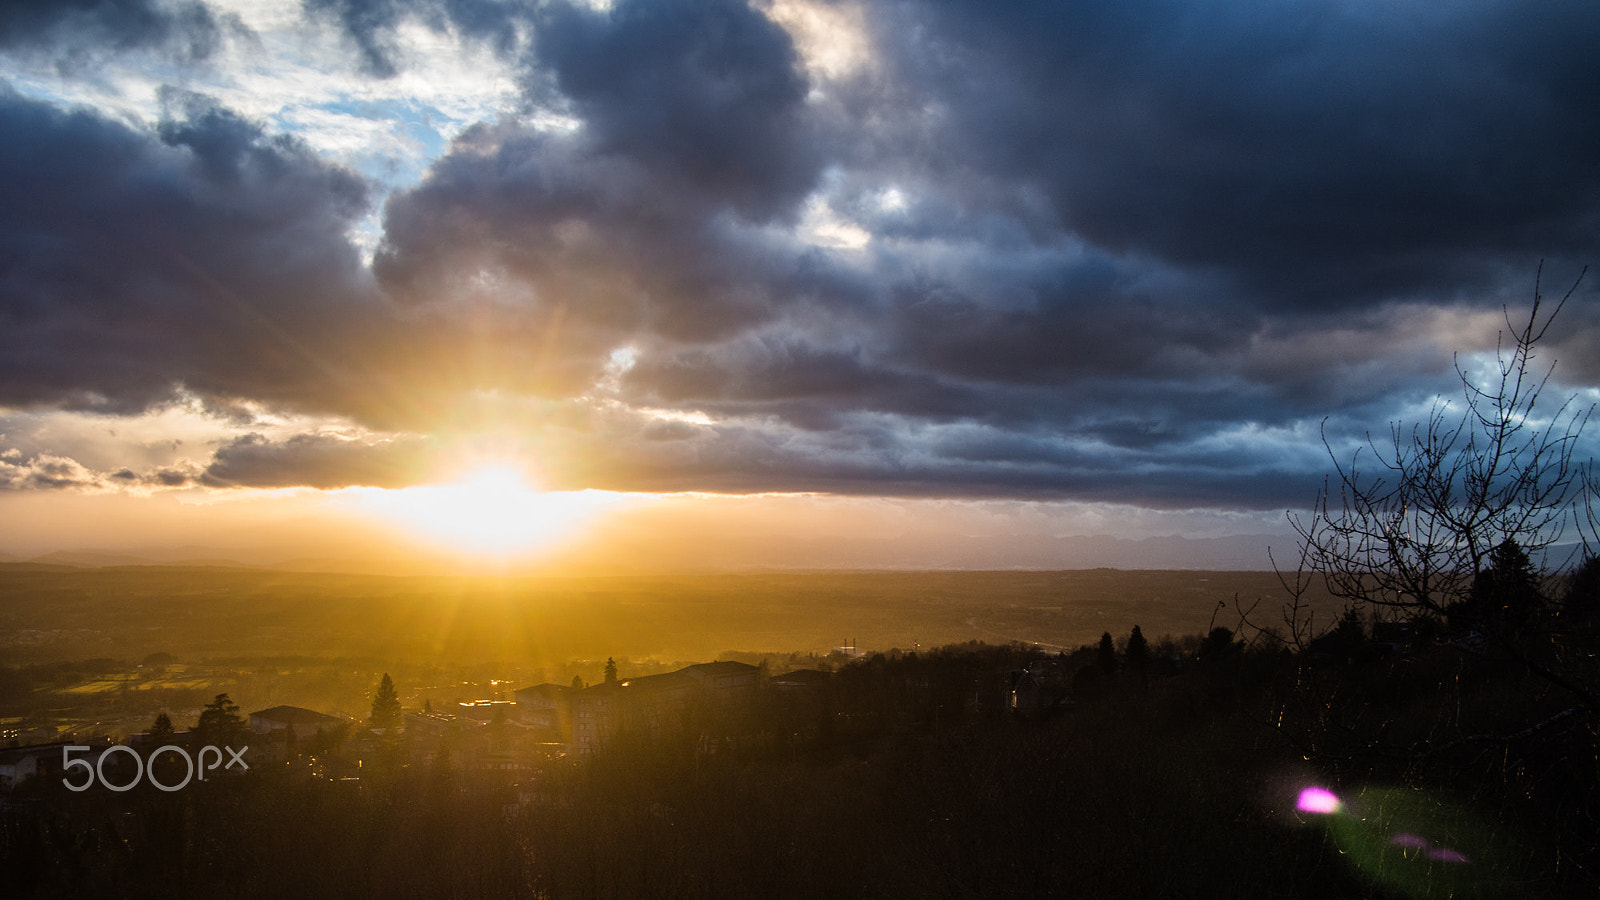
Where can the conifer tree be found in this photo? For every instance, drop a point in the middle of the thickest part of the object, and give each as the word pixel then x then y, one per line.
pixel 1583 591
pixel 1218 644
pixel 1138 651
pixel 1506 593
pixel 1350 626
pixel 161 735
pixel 386 707
pixel 220 724
pixel 1106 656
pixel 387 719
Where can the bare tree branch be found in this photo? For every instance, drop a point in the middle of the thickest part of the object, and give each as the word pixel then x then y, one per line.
pixel 1411 524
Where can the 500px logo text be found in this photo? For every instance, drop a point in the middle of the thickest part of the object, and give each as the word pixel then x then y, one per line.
pixel 197 767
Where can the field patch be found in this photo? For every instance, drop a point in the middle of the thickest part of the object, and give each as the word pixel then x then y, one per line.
pixel 201 614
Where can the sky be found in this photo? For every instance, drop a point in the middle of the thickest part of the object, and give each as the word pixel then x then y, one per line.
pixel 311 278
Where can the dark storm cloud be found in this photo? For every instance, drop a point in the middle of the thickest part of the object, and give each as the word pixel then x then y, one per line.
pixel 1307 152
pixel 1057 333
pixel 885 456
pixel 1145 229
pixel 74 31
pixel 693 128
pixel 1131 252
pixel 209 256
pixel 317 461
pixel 703 94
pixel 1332 153
pixel 593 234
pixel 760 370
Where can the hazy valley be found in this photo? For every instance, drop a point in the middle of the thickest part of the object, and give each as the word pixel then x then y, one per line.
pixel 55 614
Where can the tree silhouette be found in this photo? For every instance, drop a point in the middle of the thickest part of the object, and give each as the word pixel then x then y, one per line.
pixel 1106 654
pixel 386 719
pixel 1218 644
pixel 1506 594
pixel 1138 651
pixel 386 714
pixel 161 735
pixel 161 729
pixel 611 671
pixel 1582 600
pixel 1413 530
pixel 1350 626
pixel 220 724
pixel 1138 655
pixel 1455 516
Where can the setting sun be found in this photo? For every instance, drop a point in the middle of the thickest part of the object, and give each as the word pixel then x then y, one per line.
pixel 491 512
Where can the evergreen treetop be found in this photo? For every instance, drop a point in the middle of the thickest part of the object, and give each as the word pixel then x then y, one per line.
pixel 386 706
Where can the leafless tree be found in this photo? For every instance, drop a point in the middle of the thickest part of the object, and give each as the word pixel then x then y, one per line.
pixel 1409 524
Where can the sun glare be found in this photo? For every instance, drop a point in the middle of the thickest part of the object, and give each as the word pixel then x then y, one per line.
pixel 493 512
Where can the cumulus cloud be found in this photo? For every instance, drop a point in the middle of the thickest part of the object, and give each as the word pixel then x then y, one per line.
pixel 1376 152
pixel 74 32
pixel 705 95
pixel 45 472
pixel 371 27
pixel 207 256
pixel 317 461
pixel 51 472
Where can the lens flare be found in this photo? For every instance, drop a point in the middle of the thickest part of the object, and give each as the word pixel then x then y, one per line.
pixel 1319 801
pixel 1416 843
pixel 1409 841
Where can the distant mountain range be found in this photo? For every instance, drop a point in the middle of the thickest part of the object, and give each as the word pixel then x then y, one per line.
pixel 1233 553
